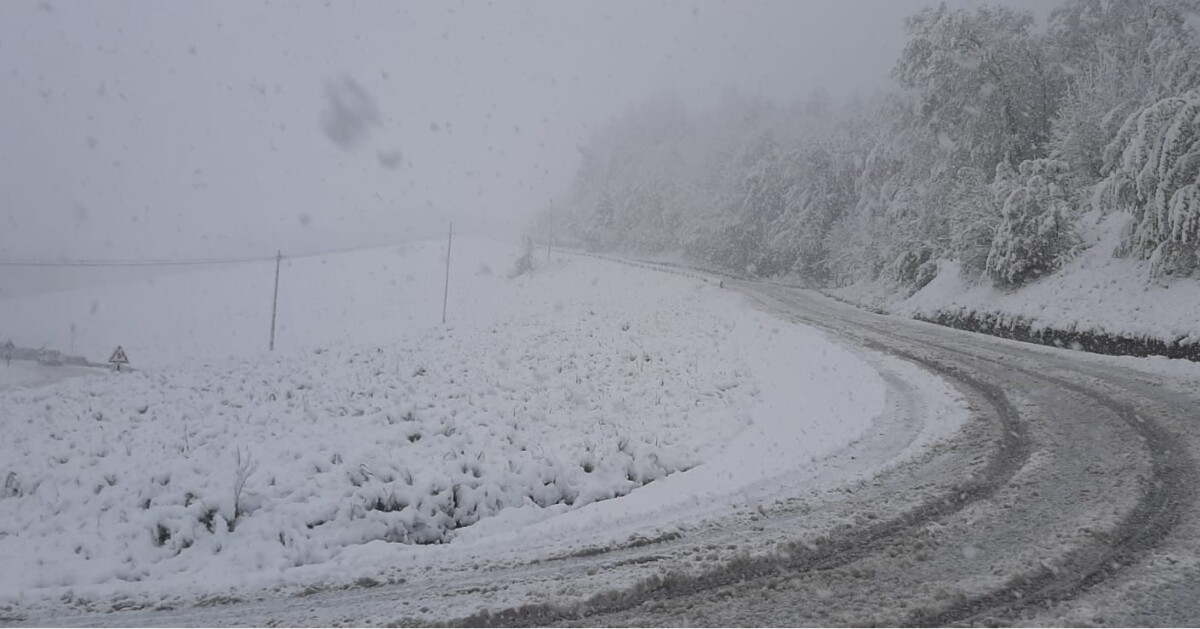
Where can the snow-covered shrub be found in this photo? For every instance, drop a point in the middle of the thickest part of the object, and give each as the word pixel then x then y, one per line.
pixel 524 264
pixel 244 468
pixel 915 269
pixel 1034 233
pixel 1175 259
pixel 1153 168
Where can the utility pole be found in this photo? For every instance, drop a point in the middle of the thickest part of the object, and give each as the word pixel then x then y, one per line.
pixel 550 230
pixel 446 292
pixel 275 299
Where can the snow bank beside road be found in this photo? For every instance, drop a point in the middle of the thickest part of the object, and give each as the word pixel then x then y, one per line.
pixel 550 394
pixel 1095 293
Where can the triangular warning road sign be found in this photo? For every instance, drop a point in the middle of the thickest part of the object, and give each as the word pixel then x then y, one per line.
pixel 118 357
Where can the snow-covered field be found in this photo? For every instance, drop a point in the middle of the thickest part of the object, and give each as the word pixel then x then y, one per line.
pixel 1095 292
pixel 377 436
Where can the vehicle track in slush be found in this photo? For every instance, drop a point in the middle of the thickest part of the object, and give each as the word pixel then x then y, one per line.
pixel 1008 454
pixel 1166 492
pixel 1051 537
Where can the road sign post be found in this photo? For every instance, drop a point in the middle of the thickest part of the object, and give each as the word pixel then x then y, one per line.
pixel 118 358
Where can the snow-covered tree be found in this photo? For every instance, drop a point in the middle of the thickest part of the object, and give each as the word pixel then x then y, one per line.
pixel 1121 56
pixel 974 219
pixel 1153 169
pixel 1034 234
pixel 985 85
pixel 1089 118
pixel 1000 135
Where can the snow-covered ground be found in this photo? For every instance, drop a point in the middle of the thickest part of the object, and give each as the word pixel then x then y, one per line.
pixel 376 430
pixel 1094 292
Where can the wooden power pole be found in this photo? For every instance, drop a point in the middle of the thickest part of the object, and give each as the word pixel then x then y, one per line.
pixel 446 291
pixel 550 229
pixel 275 299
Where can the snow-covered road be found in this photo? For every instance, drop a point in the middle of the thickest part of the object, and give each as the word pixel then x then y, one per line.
pixel 1072 504
pixel 26 374
pixel 1067 497
pixel 1081 509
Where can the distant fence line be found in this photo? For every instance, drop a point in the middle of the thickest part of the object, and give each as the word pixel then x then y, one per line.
pixel 164 262
pixel 56 357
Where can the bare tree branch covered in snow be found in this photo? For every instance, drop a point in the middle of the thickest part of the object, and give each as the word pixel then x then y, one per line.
pixel 244 467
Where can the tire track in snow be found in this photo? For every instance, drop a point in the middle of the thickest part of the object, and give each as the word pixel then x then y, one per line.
pixel 1165 495
pixel 1009 454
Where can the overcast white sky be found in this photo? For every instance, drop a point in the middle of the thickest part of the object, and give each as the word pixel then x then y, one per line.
pixel 190 129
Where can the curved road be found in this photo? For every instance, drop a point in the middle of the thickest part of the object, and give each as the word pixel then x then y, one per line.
pixel 1086 513
pixel 1068 497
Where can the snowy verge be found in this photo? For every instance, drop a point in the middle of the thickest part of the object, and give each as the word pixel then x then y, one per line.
pixel 552 393
pixel 1095 295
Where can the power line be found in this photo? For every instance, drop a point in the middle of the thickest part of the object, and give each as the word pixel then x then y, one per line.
pixel 183 261
pixel 126 263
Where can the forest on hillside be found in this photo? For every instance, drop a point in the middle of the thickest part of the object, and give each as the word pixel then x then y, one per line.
pixel 997 136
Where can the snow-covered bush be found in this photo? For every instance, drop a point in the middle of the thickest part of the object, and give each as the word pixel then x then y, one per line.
pixel 1175 259
pixel 915 269
pixel 523 264
pixel 1034 233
